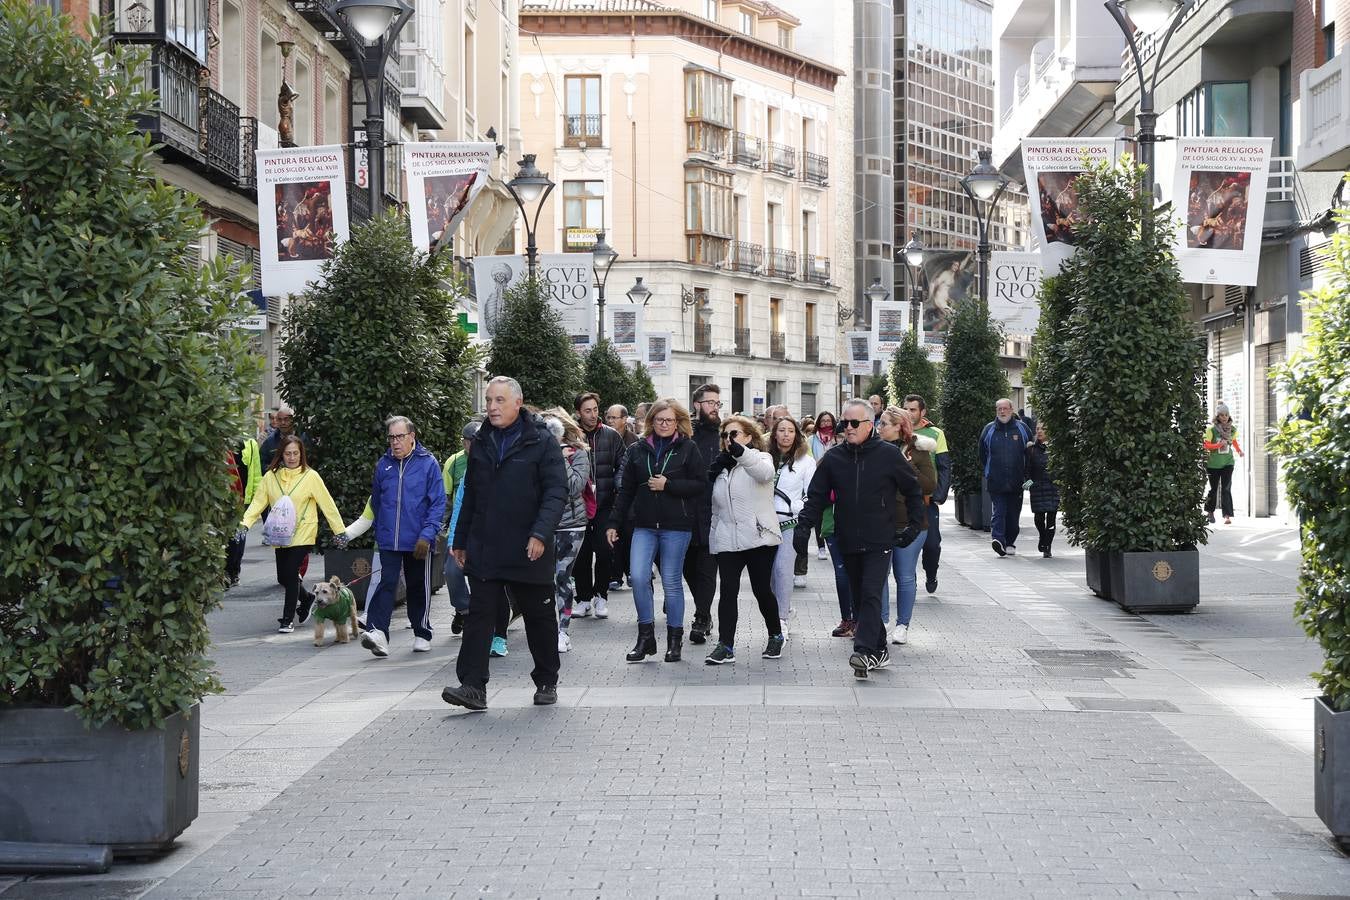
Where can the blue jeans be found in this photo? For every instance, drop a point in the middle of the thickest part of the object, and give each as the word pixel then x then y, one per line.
pixel 840 580
pixel 1004 524
pixel 904 565
pixel 456 584
pixel 644 546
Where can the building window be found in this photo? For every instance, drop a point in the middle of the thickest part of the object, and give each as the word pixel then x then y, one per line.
pixel 583 213
pixel 1328 30
pixel 785 37
pixel 1216 109
pixel 707 98
pixel 710 10
pixel 582 123
pixel 707 222
pixel 747 23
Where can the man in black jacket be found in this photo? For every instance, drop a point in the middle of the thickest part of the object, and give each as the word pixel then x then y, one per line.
pixel 700 566
pixel 514 491
pixel 594 564
pixel 868 477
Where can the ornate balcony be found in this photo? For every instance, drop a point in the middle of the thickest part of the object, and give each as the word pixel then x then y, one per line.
pixel 746 257
pixel 748 150
pixel 582 129
pixel 782 159
pixel 742 341
pixel 781 264
pixel 812 348
pixel 816 269
pixel 815 168
pixel 777 345
pixel 248 145
pixel 702 337
pixel 1324 139
pixel 219 138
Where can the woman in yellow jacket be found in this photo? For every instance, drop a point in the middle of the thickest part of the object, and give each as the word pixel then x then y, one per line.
pixel 291 476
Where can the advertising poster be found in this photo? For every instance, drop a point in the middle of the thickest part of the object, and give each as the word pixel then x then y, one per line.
pixel 1015 290
pixel 570 283
pixel 859 352
pixel 623 324
pixel 1051 165
pixel 302 213
pixel 890 321
pixel 658 352
pixel 443 179
pixel 1221 187
pixel 949 276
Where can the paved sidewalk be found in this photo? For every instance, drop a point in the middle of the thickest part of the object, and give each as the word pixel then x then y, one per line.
pixel 1029 741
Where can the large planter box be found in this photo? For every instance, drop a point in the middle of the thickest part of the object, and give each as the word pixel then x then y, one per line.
pixel 986 509
pixel 1098 570
pixel 959 508
pixel 350 565
pixel 977 510
pixel 1331 770
pixel 134 791
pixel 1154 582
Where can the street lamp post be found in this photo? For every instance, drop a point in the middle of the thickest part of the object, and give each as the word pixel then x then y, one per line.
pixel 1147 16
pixel 914 252
pixel 639 292
pixel 602 258
pixel 530 186
pixel 366 25
pixel 984 184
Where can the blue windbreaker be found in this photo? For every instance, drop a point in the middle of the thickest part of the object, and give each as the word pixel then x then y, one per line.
pixel 408 499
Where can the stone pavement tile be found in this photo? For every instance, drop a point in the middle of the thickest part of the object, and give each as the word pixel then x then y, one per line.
pixel 798 695
pixel 739 695
pixel 628 696
pixel 967 699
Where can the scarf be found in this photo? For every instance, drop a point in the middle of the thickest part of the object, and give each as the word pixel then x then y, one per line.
pixel 826 435
pixel 1222 431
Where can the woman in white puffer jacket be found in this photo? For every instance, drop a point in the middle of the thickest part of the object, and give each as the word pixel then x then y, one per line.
pixel 745 533
pixel 795 465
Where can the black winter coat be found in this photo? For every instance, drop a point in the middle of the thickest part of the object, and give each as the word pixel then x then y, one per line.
pixel 867 480
pixel 708 437
pixel 1044 491
pixel 607 451
pixel 508 501
pixel 675 508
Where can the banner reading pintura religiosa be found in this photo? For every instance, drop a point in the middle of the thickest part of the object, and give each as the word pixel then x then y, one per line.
pixel 1052 165
pixel 302 214
pixel 443 180
pixel 1220 190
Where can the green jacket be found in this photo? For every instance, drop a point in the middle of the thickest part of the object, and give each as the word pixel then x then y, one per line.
pixel 1219 459
pixel 452 473
pixel 250 457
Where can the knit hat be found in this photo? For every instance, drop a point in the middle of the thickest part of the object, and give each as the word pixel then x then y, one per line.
pixel 1222 410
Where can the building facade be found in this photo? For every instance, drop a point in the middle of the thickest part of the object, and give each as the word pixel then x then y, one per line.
pixel 698 139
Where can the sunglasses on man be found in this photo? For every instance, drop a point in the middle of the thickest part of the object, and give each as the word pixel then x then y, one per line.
pixel 853 423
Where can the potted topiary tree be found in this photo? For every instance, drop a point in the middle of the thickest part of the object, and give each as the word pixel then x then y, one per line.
pixel 607 375
pixel 531 346
pixel 644 391
pixel 1134 415
pixel 122 385
pixel 1314 443
pixel 376 337
pixel 972 382
pixel 912 372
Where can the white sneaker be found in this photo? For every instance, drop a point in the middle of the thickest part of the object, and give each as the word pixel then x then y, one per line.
pixel 581 611
pixel 375 642
pixel 900 634
pixel 421 645
pixel 564 642
pixel 822 553
pixel 799 581
pixel 601 608
pixel 288 628
pixel 1010 550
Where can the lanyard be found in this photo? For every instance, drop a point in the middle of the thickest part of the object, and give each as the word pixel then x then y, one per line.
pixel 670 451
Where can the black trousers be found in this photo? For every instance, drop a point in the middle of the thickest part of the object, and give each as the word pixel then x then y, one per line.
pixel 289 560
pixel 1220 481
pixel 700 573
pixel 867 573
pixel 932 544
pixel 595 561
pixel 759 560
pixel 234 557
pixel 486 600
pixel 1045 527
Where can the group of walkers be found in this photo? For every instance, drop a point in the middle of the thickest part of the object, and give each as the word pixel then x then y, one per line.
pixel 547 511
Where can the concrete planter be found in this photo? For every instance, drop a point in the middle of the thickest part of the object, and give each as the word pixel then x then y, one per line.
pixel 134 791
pixel 977 510
pixel 959 508
pixel 1154 582
pixel 1098 573
pixel 1331 770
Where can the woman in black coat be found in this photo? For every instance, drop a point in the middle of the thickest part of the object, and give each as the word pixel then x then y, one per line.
pixel 1044 492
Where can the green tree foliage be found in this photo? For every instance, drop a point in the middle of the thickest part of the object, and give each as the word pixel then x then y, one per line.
pixel 1136 418
pixel 531 346
pixel 643 389
pixel 376 338
pixel 973 380
pixel 912 372
pixel 122 384
pixel 608 375
pixel 876 384
pixel 1050 376
pixel 1314 443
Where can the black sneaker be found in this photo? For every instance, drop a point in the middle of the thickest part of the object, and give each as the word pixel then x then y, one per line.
pixel 471 698
pixel 545 695
pixel 699 630
pixel 721 654
pixel 858 662
pixel 882 660
pixel 774 649
pixel 457 624
pixel 930 584
pixel 306 606
pixel 998 547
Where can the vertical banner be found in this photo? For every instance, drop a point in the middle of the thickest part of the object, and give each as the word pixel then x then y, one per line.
pixel 302 214
pixel 1015 290
pixel 443 179
pixel 658 352
pixel 859 352
pixel 570 283
pixel 1221 185
pixel 624 326
pixel 1051 165
pixel 890 321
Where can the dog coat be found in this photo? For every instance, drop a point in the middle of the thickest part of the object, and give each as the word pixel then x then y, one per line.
pixel 340 612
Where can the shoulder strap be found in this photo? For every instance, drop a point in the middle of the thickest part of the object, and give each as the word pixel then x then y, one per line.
pixel 303 476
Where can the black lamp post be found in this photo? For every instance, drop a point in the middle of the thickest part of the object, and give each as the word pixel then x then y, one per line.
pixel 530 186
pixel 1147 16
pixel 639 292
pixel 914 252
pixel 366 24
pixel 602 258
pixel 984 185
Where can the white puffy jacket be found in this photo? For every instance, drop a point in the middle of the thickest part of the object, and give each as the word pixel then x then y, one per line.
pixel 790 495
pixel 743 516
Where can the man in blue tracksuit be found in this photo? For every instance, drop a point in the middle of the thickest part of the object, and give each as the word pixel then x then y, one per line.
pixel 1003 456
pixel 407 497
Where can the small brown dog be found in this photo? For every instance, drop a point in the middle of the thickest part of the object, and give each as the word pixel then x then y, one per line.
pixel 333 602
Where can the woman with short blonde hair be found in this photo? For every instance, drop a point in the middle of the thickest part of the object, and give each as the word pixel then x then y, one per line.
pixel 683 424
